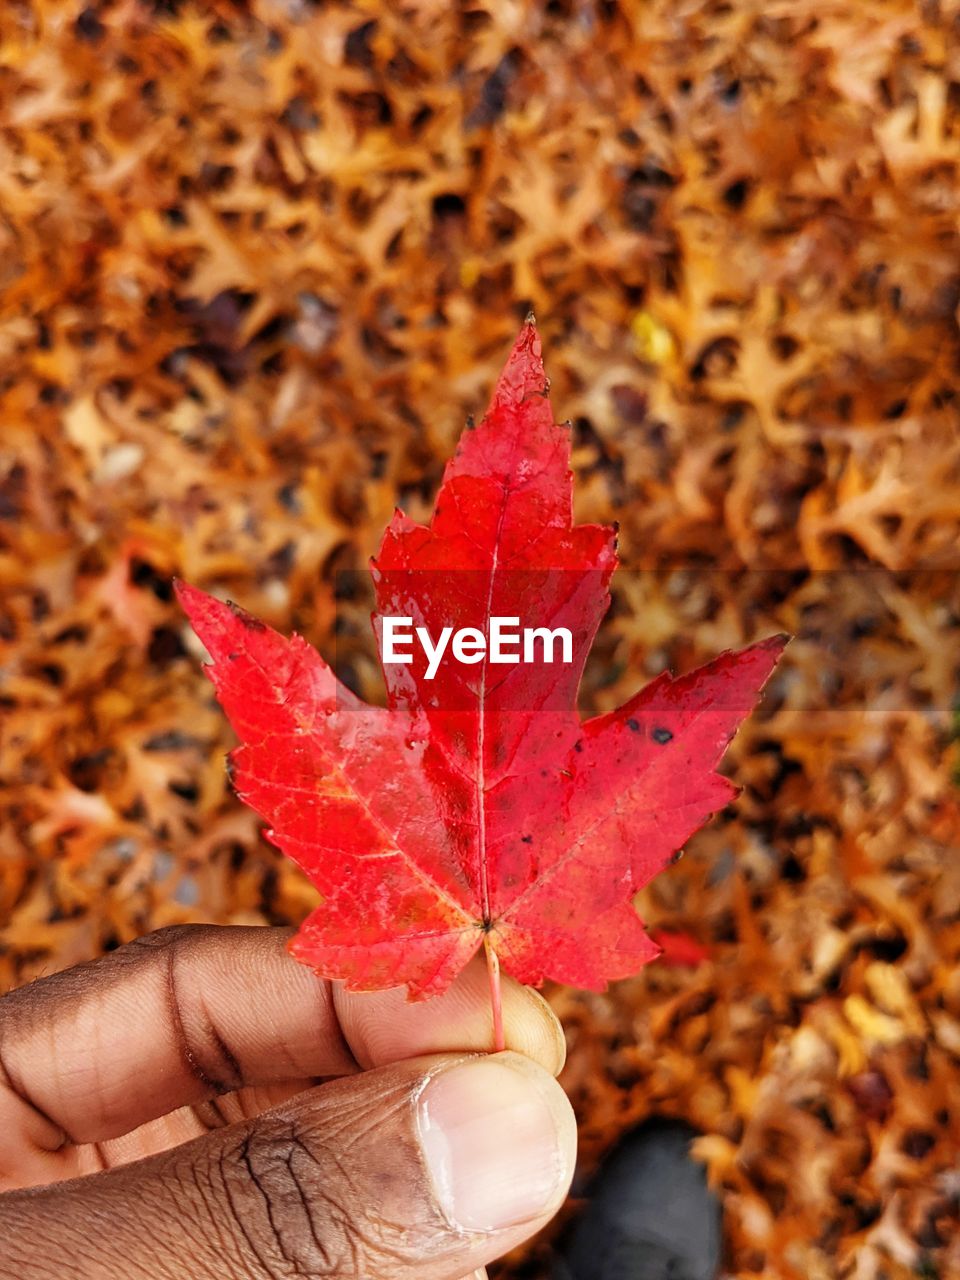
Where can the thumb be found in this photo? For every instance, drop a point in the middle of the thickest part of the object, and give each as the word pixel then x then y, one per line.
pixel 428 1168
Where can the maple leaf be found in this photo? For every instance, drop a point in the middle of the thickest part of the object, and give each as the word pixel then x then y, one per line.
pixel 477 808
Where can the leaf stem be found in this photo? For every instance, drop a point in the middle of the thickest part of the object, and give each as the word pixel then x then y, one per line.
pixel 493 971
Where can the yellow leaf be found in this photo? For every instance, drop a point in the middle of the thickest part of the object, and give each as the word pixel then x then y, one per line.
pixel 871 1023
pixel 653 341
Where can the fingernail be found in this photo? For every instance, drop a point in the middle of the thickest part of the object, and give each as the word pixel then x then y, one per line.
pixel 492 1142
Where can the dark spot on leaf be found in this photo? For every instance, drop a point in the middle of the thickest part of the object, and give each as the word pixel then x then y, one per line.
pixel 661 736
pixel 526 839
pixel 633 725
pixel 232 657
pixel 246 619
pixel 578 746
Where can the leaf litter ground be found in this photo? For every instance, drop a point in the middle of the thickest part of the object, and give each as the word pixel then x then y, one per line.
pixel 257 268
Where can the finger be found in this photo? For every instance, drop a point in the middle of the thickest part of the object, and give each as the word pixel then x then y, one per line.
pixel 426 1169
pixel 192 1012
pixel 382 1028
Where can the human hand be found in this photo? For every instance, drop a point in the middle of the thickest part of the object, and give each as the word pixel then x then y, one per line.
pixel 159 1104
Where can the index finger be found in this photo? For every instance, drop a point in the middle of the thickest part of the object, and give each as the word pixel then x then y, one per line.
pixel 194 1011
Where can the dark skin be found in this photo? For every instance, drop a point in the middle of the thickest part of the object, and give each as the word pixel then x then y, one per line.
pixel 198 1106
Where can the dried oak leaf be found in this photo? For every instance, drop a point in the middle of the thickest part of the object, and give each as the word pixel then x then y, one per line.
pixel 478 808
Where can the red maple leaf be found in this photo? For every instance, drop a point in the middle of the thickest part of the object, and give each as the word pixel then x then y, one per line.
pixel 478 808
